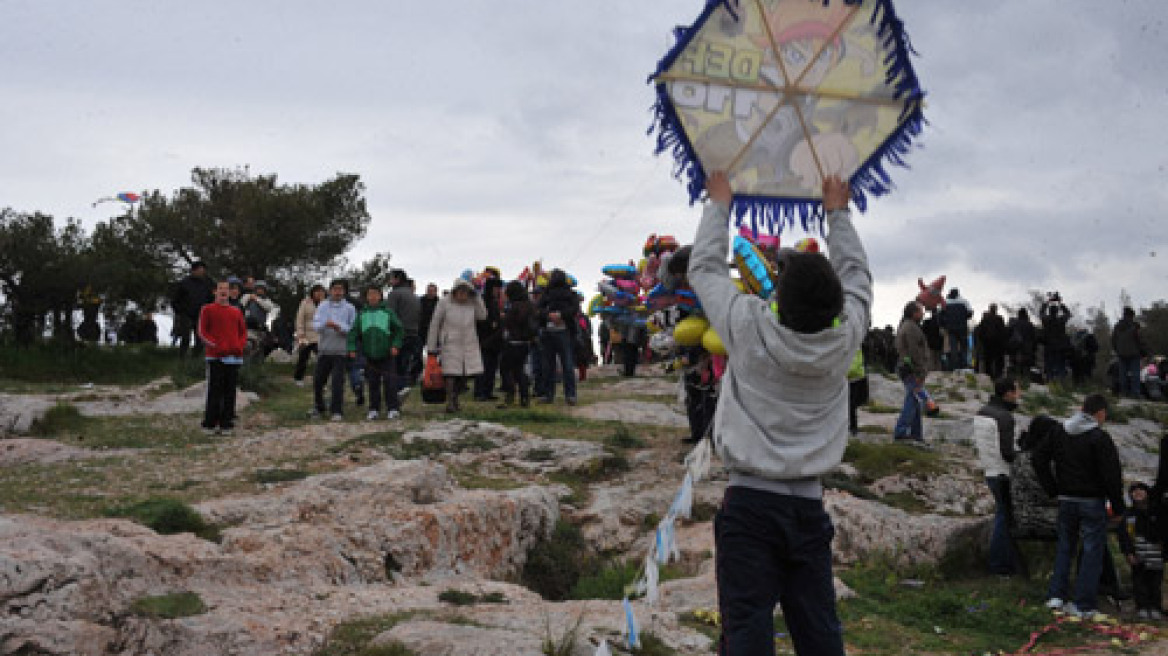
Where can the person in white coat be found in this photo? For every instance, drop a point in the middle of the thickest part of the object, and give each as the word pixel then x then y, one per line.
pixel 455 341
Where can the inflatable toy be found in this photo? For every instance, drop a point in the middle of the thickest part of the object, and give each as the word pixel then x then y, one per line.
pixel 757 273
pixel 712 343
pixel 620 271
pixel 932 296
pixel 689 331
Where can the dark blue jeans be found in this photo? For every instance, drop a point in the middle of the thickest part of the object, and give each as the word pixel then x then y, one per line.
pixel 1003 557
pixel 773 548
pixel 329 369
pixel 382 378
pixel 557 345
pixel 1129 381
pixel 1086 520
pixel 908 424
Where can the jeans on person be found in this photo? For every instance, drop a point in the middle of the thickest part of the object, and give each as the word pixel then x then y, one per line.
pixel 538 378
pixel 1147 587
pixel 222 381
pixel 484 383
pixel 1004 558
pixel 382 375
pixel 773 548
pixel 329 368
pixel 958 355
pixel 1129 372
pixel 557 345
pixel 1056 363
pixel 908 424
pixel 187 329
pixel 306 352
pixel 356 368
pixel 407 356
pixel 513 368
pixel 1085 519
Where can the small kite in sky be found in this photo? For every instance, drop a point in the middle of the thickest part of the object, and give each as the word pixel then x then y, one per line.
pixel 124 197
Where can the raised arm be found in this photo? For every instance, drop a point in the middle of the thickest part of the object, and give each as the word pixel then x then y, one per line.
pixel 849 261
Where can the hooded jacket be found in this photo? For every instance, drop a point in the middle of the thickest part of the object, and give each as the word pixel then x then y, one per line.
pixel 334 341
pixel 995 439
pixel 375 331
pixel 453 335
pixel 782 417
pixel 1086 463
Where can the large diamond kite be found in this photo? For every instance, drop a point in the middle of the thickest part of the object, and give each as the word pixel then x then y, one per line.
pixel 780 94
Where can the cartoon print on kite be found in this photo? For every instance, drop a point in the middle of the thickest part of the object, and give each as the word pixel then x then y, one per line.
pixel 782 93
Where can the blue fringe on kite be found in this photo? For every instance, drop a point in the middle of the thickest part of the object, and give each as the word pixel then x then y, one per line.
pixel 871 179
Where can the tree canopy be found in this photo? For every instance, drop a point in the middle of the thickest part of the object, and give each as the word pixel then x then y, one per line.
pixel 253 225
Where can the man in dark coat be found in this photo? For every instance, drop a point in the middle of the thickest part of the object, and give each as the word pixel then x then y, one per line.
pixel 991 337
pixel 190 295
pixel 1129 348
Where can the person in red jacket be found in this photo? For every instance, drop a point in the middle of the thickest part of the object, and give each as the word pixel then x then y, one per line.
pixel 222 329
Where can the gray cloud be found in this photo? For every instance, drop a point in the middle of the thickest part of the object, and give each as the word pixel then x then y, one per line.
pixel 496 133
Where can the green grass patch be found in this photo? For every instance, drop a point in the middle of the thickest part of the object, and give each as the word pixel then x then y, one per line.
pixel 167 517
pixel 540 454
pixel 651 645
pixel 57 420
pixel 875 430
pixel 943 616
pixel 473 480
pixel 622 438
pixel 270 476
pixel 875 461
pixel 169 606
pixel 844 483
pixel 880 409
pixel 612 579
pixel 58 364
pixel 352 638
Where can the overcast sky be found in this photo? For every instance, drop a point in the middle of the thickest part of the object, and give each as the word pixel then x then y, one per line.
pixel 501 132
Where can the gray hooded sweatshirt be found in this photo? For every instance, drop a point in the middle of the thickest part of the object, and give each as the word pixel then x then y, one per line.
pixel 782 418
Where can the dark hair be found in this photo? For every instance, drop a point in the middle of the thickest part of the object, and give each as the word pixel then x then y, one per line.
pixel 398 273
pixel 810 293
pixel 1004 386
pixel 910 309
pixel 344 285
pixel 953 293
pixel 198 264
pixel 370 288
pixel 557 278
pixel 1094 403
pixel 679 261
pixel 315 288
pixel 515 291
pixel 1129 313
pixel 1023 314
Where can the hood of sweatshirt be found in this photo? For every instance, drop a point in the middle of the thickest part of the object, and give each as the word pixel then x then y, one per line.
pixel 1080 423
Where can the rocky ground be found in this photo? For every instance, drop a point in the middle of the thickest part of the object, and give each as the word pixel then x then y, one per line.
pixel 327 533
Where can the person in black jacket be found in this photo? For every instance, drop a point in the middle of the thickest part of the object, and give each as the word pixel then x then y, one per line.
pixel 490 332
pixel 190 295
pixel 520 329
pixel 1056 345
pixel 1087 474
pixel 557 315
pixel 991 337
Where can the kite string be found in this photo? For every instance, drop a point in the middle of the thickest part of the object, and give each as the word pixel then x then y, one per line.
pixel 616 213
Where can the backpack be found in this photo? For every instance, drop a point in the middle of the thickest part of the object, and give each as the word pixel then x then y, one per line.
pixel 255 316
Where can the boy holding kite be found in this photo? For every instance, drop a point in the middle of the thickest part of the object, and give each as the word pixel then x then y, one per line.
pixel 781 424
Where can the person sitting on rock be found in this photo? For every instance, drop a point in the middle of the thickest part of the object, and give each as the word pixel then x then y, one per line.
pixel 781 424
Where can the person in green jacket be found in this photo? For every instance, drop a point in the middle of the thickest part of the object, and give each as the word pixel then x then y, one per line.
pixel 377 334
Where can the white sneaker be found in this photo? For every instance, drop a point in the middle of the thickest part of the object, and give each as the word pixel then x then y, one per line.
pixel 338 418
pixel 300 383
pixel 1072 610
pixel 392 414
pixel 372 416
pixel 1143 614
pixel 1054 603
pixel 1155 615
pixel 402 394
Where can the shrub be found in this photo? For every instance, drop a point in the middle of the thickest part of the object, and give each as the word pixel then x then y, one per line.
pixel 266 476
pixel 167 517
pixel 554 565
pixel 622 438
pixel 59 419
pixel 169 606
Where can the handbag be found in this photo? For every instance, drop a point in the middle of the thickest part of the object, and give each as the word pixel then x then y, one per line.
pixel 433 385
